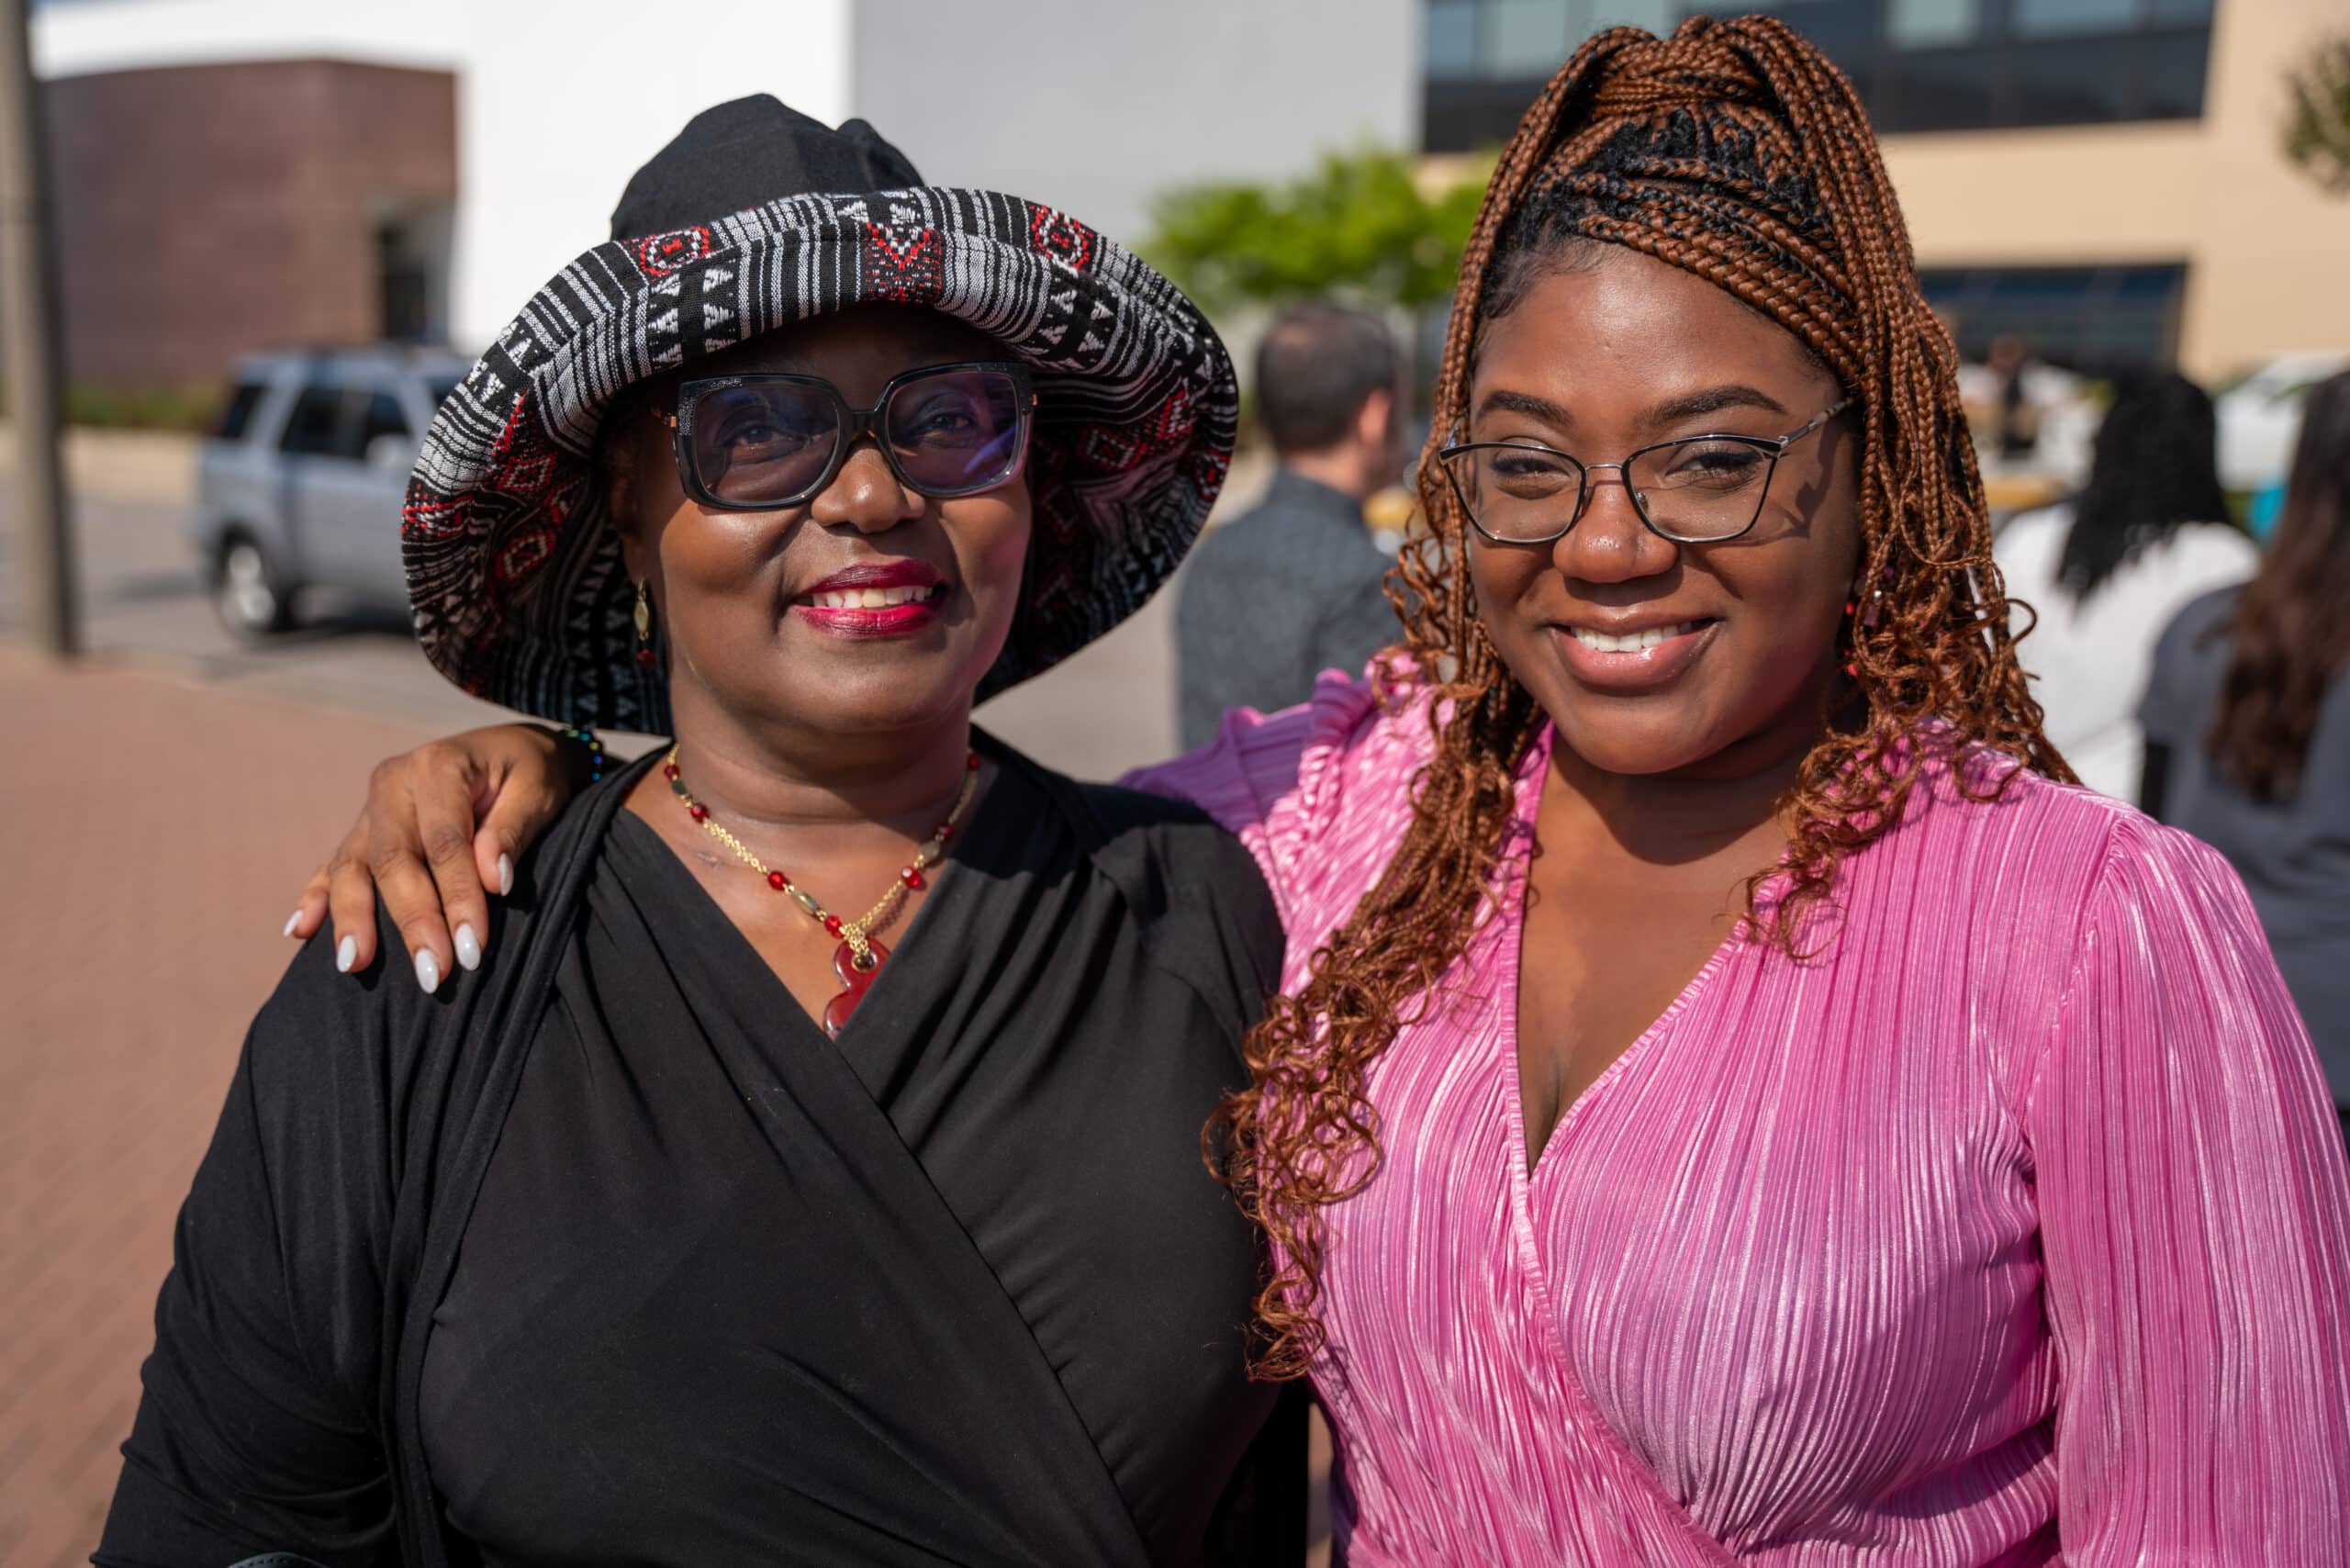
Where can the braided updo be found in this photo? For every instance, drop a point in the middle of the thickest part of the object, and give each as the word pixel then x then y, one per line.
pixel 1736 151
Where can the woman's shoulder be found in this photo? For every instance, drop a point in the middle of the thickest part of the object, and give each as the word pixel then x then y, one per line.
pixel 2015 840
pixel 329 1047
pixel 1190 888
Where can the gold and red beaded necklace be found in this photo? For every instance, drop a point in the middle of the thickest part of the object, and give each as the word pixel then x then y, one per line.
pixel 860 958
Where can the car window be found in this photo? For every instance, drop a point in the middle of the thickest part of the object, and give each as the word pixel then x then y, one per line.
pixel 317 427
pixel 238 417
pixel 383 417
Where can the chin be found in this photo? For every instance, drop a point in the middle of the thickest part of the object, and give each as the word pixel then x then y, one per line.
pixel 1633 736
pixel 895 700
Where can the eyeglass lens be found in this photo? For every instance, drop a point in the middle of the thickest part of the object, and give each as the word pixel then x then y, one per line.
pixel 1699 489
pixel 770 443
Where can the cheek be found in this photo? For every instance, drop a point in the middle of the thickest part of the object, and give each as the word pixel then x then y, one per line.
pixel 990 536
pixel 707 557
pixel 1501 576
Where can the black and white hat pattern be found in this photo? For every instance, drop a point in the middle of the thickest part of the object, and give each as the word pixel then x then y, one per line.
pixel 516 582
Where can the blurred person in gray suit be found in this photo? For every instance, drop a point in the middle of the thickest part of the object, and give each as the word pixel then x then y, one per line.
pixel 1292 587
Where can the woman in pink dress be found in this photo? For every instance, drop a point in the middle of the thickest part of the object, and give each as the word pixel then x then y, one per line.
pixel 1733 1097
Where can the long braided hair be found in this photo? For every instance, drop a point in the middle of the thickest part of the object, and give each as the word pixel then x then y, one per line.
pixel 1735 151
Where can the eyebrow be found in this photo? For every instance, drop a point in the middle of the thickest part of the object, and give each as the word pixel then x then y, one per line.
pixel 1712 401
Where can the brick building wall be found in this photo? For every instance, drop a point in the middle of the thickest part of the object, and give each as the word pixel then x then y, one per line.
pixel 206 211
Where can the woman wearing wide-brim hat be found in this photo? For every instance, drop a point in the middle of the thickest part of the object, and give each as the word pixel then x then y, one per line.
pixel 812 1173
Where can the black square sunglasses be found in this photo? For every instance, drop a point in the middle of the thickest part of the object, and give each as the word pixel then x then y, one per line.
pixel 758 442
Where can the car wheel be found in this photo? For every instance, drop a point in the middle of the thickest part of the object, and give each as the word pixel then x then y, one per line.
pixel 253 602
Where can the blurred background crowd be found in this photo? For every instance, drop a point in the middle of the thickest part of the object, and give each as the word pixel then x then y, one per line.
pixel 281 231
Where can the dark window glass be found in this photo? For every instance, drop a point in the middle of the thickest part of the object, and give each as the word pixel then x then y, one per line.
pixel 1919 64
pixel 1845 30
pixel 1940 89
pixel 2071 18
pixel 2172 67
pixel 238 417
pixel 1522 37
pixel 1657 15
pixel 383 417
pixel 1451 40
pixel 1932 23
pixel 2092 320
pixel 311 431
pixel 2070 81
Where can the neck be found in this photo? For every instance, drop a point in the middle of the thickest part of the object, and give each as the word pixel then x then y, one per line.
pixel 1335 467
pixel 780 775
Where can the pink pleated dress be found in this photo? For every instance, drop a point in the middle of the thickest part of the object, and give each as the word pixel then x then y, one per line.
pixel 2012 1228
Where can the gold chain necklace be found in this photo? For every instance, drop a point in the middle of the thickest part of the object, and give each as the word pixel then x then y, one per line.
pixel 859 957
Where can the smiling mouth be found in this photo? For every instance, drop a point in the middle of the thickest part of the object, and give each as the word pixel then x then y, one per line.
pixel 1635 642
pixel 888 597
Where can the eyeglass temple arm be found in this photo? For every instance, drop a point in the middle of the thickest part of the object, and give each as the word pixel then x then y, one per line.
pixel 1829 412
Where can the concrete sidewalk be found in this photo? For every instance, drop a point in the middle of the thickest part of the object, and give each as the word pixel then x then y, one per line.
pixel 153 833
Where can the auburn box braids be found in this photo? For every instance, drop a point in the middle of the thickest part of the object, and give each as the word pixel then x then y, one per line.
pixel 1735 151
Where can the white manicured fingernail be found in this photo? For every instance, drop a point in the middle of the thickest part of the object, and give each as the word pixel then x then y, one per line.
pixel 428 971
pixel 468 949
pixel 346 953
pixel 505 874
pixel 292 921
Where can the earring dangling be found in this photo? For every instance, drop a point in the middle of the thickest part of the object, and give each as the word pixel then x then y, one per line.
pixel 644 618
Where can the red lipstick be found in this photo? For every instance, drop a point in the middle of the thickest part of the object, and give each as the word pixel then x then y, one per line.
pixel 881 598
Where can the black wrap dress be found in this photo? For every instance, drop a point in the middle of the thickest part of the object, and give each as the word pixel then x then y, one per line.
pixel 607 1254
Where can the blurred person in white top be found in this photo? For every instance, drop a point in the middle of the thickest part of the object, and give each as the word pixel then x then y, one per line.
pixel 2107 570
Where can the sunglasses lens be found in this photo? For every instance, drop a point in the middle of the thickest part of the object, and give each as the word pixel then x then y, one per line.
pixel 767 442
pixel 958 431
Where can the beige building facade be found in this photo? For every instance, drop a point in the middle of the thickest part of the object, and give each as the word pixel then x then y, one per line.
pixel 2104 179
pixel 2266 251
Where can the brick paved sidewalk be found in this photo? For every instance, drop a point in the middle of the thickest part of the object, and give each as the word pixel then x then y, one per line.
pixel 153 835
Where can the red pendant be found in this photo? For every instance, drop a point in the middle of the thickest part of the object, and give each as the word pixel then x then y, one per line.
pixel 854 983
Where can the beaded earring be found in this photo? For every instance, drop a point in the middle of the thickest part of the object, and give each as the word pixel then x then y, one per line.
pixel 645 654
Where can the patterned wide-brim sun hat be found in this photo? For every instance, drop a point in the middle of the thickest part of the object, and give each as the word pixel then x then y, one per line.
pixel 756 218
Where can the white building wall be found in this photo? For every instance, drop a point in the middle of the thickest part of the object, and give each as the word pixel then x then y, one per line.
pixel 557 104
pixel 1095 106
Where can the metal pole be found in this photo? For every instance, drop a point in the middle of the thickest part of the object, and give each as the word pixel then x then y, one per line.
pixel 28 315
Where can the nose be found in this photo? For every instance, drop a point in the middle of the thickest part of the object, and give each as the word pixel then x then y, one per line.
pixel 1608 544
pixel 865 495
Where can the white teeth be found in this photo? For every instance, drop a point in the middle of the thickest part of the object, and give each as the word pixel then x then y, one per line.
pixel 870 599
pixel 1632 643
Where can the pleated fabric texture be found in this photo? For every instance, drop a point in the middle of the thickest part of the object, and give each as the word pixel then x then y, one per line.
pixel 2011 1229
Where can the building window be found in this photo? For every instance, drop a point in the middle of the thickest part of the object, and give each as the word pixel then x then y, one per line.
pixel 1919 64
pixel 2092 320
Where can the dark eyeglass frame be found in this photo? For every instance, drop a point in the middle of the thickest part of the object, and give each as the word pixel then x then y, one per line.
pixel 1773 447
pixel 856 425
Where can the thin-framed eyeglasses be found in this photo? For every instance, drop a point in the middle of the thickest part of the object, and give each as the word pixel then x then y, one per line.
pixel 1696 489
pixel 757 442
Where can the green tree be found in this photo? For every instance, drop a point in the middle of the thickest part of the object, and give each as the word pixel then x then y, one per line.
pixel 1359 227
pixel 2317 124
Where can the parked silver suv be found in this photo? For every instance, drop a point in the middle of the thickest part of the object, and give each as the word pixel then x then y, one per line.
pixel 301 484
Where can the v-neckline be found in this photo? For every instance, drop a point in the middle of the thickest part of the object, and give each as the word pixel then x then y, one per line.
pixel 909 956
pixel 1521 1174
pixel 1526 1172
